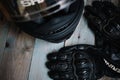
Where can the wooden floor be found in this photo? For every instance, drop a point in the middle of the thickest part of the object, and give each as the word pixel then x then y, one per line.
pixel 23 57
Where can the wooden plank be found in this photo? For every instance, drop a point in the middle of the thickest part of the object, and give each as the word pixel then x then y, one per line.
pixel 38 70
pixel 3 35
pixel 17 56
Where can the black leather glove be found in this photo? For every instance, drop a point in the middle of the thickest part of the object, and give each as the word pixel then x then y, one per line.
pixel 75 63
pixel 111 59
pixel 104 19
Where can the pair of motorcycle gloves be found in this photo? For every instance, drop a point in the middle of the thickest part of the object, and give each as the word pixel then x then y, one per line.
pixel 88 62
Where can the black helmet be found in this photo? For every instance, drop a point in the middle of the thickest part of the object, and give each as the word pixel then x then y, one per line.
pixel 51 20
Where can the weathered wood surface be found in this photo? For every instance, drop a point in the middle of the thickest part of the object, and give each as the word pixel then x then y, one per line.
pixel 17 56
pixel 23 58
pixel 3 35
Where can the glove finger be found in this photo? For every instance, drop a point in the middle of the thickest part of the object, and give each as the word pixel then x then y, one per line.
pixel 58 66
pixel 106 7
pixel 68 75
pixel 95 10
pixel 113 30
pixel 84 74
pixel 60 56
pixel 97 4
pixel 52 56
pixel 69 49
pixel 109 9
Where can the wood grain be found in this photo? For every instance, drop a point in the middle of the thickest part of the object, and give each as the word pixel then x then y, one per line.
pixel 3 35
pixel 17 56
pixel 20 62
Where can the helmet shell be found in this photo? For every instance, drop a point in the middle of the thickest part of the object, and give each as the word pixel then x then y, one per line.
pixel 51 20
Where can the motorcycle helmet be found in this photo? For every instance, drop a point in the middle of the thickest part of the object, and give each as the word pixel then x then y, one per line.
pixel 51 20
